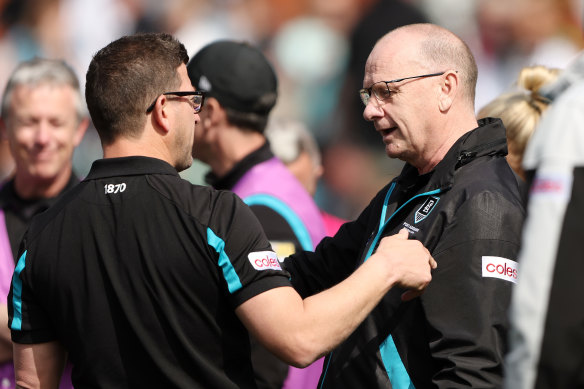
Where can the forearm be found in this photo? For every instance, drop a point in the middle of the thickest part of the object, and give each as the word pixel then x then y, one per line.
pixel 5 341
pixel 38 365
pixel 331 316
pixel 300 331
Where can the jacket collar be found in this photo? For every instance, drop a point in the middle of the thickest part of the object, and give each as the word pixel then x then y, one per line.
pixel 487 139
pixel 129 166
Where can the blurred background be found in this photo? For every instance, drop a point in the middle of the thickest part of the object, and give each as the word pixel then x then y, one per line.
pixel 319 49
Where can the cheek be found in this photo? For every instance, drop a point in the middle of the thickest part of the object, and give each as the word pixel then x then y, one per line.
pixel 21 136
pixel 64 137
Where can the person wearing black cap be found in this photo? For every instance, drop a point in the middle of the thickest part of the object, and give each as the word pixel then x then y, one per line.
pixel 241 88
pixel 148 281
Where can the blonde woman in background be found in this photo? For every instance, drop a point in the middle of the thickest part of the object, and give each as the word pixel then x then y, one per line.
pixel 521 110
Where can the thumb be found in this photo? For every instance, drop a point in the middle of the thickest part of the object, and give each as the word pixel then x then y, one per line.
pixel 403 233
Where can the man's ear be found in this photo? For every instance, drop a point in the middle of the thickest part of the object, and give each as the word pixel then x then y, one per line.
pixel 214 111
pixel 448 90
pixel 160 115
pixel 80 132
pixel 212 115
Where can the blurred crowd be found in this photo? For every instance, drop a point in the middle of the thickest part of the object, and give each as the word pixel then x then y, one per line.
pixel 318 48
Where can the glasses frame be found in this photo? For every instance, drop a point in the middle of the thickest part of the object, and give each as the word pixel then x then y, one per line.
pixel 368 91
pixel 181 94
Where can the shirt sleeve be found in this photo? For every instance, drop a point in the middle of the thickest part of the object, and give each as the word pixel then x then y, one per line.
pixel 466 303
pixel 244 255
pixel 27 320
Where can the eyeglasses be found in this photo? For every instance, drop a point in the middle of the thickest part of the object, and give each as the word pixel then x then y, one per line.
pixel 381 88
pixel 196 101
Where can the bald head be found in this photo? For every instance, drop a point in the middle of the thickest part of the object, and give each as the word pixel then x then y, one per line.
pixel 423 78
pixel 434 48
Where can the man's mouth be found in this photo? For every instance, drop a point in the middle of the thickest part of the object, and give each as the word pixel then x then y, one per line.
pixel 387 131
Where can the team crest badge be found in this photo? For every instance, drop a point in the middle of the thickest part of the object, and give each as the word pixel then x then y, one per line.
pixel 426 208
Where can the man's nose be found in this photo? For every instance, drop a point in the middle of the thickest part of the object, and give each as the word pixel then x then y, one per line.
pixel 43 132
pixel 372 110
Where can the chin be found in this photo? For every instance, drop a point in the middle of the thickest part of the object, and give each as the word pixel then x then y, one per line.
pixel 184 165
pixel 391 153
pixel 45 172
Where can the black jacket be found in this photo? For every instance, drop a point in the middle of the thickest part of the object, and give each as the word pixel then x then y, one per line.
pixel 468 212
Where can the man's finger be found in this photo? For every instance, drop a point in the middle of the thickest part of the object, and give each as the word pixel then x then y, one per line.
pixel 433 263
pixel 403 233
pixel 410 294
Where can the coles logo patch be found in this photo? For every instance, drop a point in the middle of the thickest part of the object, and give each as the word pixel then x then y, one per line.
pixel 502 268
pixel 264 260
pixel 552 186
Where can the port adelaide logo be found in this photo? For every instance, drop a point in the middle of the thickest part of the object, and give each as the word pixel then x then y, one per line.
pixel 426 208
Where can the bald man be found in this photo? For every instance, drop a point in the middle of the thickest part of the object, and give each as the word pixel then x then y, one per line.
pixel 457 195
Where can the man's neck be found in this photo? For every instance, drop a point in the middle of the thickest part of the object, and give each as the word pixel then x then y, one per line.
pixel 233 149
pixel 124 147
pixel 33 188
pixel 455 130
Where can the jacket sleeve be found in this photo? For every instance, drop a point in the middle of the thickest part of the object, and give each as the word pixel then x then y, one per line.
pixel 466 303
pixel 334 259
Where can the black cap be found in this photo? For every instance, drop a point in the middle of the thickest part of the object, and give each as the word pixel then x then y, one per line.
pixel 237 74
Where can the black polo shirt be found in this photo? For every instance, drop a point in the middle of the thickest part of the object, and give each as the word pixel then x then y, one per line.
pixel 138 272
pixel 18 212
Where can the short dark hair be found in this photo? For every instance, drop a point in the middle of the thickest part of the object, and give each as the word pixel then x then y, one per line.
pixel 126 76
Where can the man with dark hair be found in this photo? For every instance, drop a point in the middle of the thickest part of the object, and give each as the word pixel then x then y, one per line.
pixel 44 119
pixel 457 195
pixel 148 281
pixel 242 89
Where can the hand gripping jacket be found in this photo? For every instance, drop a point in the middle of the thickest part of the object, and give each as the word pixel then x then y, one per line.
pixel 468 212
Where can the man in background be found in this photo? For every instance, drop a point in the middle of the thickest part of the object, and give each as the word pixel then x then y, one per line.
pixel 44 118
pixel 242 89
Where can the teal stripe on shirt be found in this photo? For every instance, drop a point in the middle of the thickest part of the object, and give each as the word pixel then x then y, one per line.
pixel 17 294
pixel 229 273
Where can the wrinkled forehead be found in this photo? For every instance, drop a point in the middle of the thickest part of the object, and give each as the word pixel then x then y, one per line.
pixel 392 57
